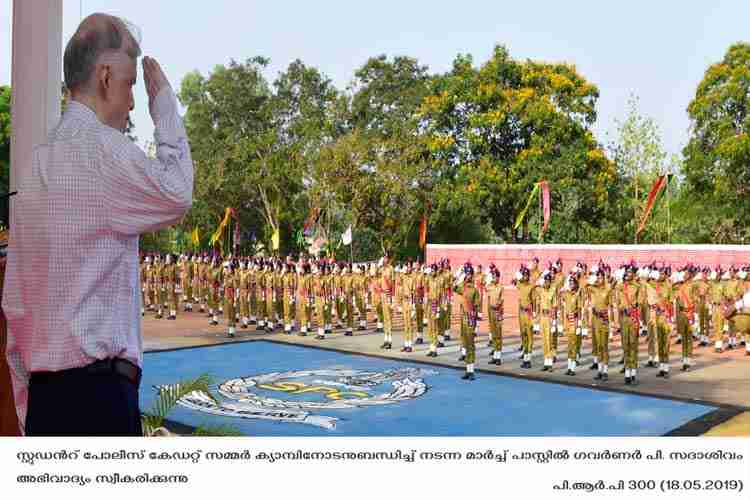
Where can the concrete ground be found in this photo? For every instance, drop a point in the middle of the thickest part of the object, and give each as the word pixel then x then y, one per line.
pixel 722 380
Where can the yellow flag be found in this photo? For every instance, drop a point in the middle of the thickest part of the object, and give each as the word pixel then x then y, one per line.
pixel 223 224
pixel 196 238
pixel 275 239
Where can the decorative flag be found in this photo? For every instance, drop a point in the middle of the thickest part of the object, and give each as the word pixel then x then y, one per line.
pixel 275 239
pixel 229 212
pixel 346 238
pixel 423 232
pixel 520 217
pixel 658 186
pixel 196 238
pixel 546 210
pixel 312 218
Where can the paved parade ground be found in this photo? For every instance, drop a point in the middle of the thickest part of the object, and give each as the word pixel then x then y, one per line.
pixel 348 386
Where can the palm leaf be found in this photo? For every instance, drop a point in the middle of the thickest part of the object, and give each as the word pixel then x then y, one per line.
pixel 168 398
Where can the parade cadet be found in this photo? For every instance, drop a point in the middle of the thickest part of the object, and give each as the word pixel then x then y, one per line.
pixel 145 286
pixel 319 291
pixel 433 291
pixel 337 289
pixel 244 284
pixel 495 311
pixel 545 296
pixel 377 295
pixel 663 311
pixel 701 300
pixel 214 277
pixel 408 306
pixel 733 291
pixel 600 292
pixel 739 313
pixel 571 303
pixel 525 313
pixel 289 289
pixel 387 286
pixel 716 300
pixel 206 285
pixel 256 295
pixel 305 297
pixel 327 272
pixel 626 298
pixel 447 299
pixel 479 279
pixel 468 297
pixel 230 291
pixel 347 290
pixel 170 283
pixel 684 309
pixel 195 269
pixel 186 281
pixel 160 285
pixel 359 283
pixel 397 277
pixel 419 297
pixel 269 287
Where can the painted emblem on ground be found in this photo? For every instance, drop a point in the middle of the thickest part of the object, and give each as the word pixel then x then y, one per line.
pixel 307 393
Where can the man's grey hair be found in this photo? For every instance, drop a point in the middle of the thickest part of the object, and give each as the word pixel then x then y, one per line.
pixel 87 45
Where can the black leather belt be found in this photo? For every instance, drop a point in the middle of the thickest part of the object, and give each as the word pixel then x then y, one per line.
pixel 107 366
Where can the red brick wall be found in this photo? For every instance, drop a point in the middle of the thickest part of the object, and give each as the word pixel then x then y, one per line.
pixel 507 258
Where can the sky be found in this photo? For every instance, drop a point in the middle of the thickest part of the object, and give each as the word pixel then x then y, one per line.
pixel 655 50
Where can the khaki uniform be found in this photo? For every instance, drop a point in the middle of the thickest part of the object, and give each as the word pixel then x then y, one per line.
pixel 408 307
pixel 289 284
pixel 526 317
pixel 231 287
pixel 469 301
pixel 495 311
pixel 571 305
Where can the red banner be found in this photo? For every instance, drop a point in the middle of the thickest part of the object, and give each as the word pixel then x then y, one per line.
pixel 423 232
pixel 658 186
pixel 546 210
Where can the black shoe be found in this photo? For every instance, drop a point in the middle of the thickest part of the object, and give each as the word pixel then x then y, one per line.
pixel 360 328
pixel 621 362
pixel 440 344
pixel 570 373
pixel 719 350
pixel 348 334
pixel 230 335
pixel 686 368
pixel 545 368
pixel 704 344
pixel 320 337
pixel 446 337
pixel 158 316
pixel 419 341
pixel 520 349
pixel 730 346
pixel 378 330
pixel 622 370
pixel 383 345
pixel 432 354
pixel 598 376
pixel 409 349
pixel 651 364
pixel 253 321
pixel 173 318
pixel 468 376
pixel 404 349
pixel 627 380
pixel 462 358
pixel 214 323
pixel 743 343
pixel 554 359
pixel 243 326
pixel 605 377
pixel 302 334
pixel 594 366
pixel 526 364
pixel 389 346
pixel 666 375
pixel 633 381
pixel 259 328
pixel 678 341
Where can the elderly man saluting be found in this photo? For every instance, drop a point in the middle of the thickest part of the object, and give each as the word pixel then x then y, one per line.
pixel 71 291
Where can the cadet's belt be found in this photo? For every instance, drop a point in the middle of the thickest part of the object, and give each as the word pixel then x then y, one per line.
pixel 628 310
pixel 545 312
pixel 601 314
pixel 572 317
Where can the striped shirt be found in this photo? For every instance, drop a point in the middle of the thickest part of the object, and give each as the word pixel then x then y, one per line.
pixel 72 286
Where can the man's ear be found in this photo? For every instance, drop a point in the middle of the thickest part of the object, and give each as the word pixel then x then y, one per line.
pixel 104 79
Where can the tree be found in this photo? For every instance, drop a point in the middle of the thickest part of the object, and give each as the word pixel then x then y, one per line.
pixel 717 156
pixel 255 144
pixel 497 130
pixel 640 158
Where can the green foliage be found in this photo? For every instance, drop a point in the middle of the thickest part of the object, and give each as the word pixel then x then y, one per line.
pixel 717 157
pixel 496 130
pixel 5 134
pixel 167 399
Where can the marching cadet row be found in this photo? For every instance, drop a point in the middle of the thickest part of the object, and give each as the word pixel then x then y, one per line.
pixel 599 304
pixel 690 304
